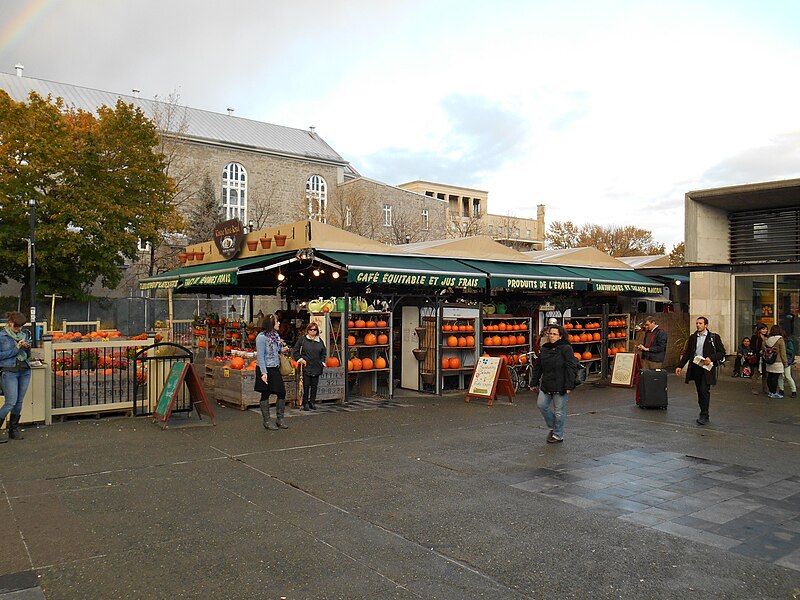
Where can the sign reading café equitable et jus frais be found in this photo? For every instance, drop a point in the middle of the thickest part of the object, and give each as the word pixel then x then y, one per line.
pixel 228 237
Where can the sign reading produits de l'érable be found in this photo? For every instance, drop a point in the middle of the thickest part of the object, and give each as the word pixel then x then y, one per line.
pixel 228 237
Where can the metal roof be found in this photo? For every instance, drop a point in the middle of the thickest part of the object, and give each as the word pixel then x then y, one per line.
pixel 200 125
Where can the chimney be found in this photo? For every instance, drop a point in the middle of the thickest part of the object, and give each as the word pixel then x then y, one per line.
pixel 19 68
pixel 230 111
pixel 135 92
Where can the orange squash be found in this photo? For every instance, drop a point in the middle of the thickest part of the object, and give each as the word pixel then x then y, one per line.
pixel 357 364
pixel 487 341
pixel 382 323
pixel 502 326
pixel 371 324
pixel 332 362
pixel 520 340
pixel 596 336
pixel 587 355
pixel 383 339
pixel 380 363
pixel 462 341
pixel 351 340
pixel 351 324
pixel 350 365
pixel 452 341
pixel 370 339
pixel 504 340
pixel 237 363
pixel 360 324
pixel 455 363
pixel 447 327
pixel 445 363
pixel 496 340
pixel 367 364
pixel 470 341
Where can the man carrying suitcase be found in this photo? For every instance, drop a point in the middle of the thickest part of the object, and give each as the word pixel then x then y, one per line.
pixel 654 344
pixel 703 352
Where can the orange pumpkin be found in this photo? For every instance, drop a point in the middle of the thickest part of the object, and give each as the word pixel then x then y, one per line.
pixel 251 336
pixel 502 326
pixel 367 364
pixel 371 323
pixel 496 340
pixel 445 363
pixel 596 336
pixel 380 363
pixel 237 363
pixel 356 364
pixel 487 341
pixel 577 355
pixel 587 355
pixel 469 328
pixel 470 341
pixel 332 362
pixel 383 339
pixel 520 339
pixel 370 339
pixel 462 342
pixel 566 326
pixel 349 365
pixel 351 324
pixel 201 344
pixel 523 326
pixel 382 323
pixel 455 363
pixel 452 341
pixel 360 324
pixel 504 340
pixel 351 340
pixel 447 327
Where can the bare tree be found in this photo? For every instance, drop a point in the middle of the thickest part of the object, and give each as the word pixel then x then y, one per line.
pixel 458 226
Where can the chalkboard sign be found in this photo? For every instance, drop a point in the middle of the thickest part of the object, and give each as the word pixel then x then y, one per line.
pixel 490 378
pixel 180 373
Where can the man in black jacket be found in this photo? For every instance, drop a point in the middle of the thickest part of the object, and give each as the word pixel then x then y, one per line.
pixel 556 369
pixel 703 352
pixel 654 344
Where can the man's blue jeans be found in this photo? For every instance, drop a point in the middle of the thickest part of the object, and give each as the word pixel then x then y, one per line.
pixel 554 410
pixel 15 384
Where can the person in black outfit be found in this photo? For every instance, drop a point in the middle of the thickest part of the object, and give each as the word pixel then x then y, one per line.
pixel 746 360
pixel 310 352
pixel 702 348
pixel 554 375
pixel 759 369
pixel 654 345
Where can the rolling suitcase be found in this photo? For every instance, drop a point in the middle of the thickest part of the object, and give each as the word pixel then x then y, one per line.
pixel 651 391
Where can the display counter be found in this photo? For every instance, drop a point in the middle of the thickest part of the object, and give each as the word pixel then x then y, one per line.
pixel 35 397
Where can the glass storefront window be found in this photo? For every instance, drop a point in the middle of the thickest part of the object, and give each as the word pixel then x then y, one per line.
pixel 788 306
pixel 755 303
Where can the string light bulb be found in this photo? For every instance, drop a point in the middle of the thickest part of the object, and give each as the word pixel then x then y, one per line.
pixel 316 272
pixel 335 275
pixel 281 276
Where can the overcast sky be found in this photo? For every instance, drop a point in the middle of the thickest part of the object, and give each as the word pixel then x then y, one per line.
pixel 605 111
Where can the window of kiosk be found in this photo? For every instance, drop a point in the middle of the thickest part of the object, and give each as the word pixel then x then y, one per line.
pixel 755 303
pixel 788 305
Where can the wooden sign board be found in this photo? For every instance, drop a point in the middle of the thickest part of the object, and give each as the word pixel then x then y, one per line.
pixel 625 368
pixel 180 373
pixel 490 378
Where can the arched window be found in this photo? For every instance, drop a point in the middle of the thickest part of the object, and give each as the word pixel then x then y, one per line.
pixel 317 197
pixel 234 192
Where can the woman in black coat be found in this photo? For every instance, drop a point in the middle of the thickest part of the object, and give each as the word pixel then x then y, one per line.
pixel 554 375
pixel 310 352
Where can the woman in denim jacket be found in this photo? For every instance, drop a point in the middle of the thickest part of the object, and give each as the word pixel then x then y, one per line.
pixel 268 377
pixel 15 366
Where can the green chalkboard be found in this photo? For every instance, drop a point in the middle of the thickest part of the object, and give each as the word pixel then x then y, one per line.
pixel 170 390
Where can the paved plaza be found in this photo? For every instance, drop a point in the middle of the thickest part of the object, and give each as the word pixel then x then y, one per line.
pixel 417 497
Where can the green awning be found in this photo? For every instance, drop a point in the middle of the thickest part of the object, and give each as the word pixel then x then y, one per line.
pixel 213 274
pixel 528 277
pixel 618 281
pixel 390 269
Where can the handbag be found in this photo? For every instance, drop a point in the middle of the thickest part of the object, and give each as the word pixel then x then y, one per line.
pixel 259 385
pixel 286 367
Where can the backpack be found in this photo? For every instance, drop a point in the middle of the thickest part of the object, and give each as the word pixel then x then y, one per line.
pixel 790 351
pixel 769 354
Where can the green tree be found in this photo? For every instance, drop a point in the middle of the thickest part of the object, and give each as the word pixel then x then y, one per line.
pixel 203 214
pixel 614 240
pixel 98 186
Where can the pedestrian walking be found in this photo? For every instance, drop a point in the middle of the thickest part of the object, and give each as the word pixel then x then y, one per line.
pixel 554 376
pixel 310 352
pixel 774 357
pixel 701 356
pixel 15 366
pixel 269 380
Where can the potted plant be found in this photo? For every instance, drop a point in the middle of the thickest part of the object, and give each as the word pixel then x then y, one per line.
pixel 183 257
pixel 189 255
pixel 266 242
pixel 87 357
pixel 199 254
pixel 252 245
pixel 280 239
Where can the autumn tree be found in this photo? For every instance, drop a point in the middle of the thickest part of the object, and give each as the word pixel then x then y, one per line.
pixel 614 240
pixel 676 255
pixel 98 185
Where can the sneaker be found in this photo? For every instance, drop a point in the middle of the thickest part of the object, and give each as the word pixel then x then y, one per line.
pixel 702 421
pixel 281 425
pixel 554 440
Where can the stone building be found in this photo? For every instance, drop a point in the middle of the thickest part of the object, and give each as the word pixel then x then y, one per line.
pixel 468 214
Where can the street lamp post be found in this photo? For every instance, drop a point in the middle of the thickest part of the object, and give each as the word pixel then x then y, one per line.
pixel 32 205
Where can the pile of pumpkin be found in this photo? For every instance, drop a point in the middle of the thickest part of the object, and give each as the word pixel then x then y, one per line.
pixel 505 340
pixel 93 335
pixel 584 337
pixel 363 364
pixel 592 325
pixel 503 326
pixel 451 363
pixel 369 324
pixel 616 349
pixel 511 359
pixel 586 355
pixel 460 341
pixel 457 327
pixel 370 339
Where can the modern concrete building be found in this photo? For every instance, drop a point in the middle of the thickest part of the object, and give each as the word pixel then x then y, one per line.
pixel 468 214
pixel 743 246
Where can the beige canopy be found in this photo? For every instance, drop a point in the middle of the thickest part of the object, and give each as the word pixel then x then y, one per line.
pixel 587 256
pixel 478 247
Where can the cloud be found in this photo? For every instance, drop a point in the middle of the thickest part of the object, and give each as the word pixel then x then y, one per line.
pixel 482 136
pixel 780 159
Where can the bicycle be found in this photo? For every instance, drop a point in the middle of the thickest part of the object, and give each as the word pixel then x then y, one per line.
pixel 522 374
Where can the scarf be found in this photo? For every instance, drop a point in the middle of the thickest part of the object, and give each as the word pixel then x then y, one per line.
pixel 18 337
pixel 275 338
